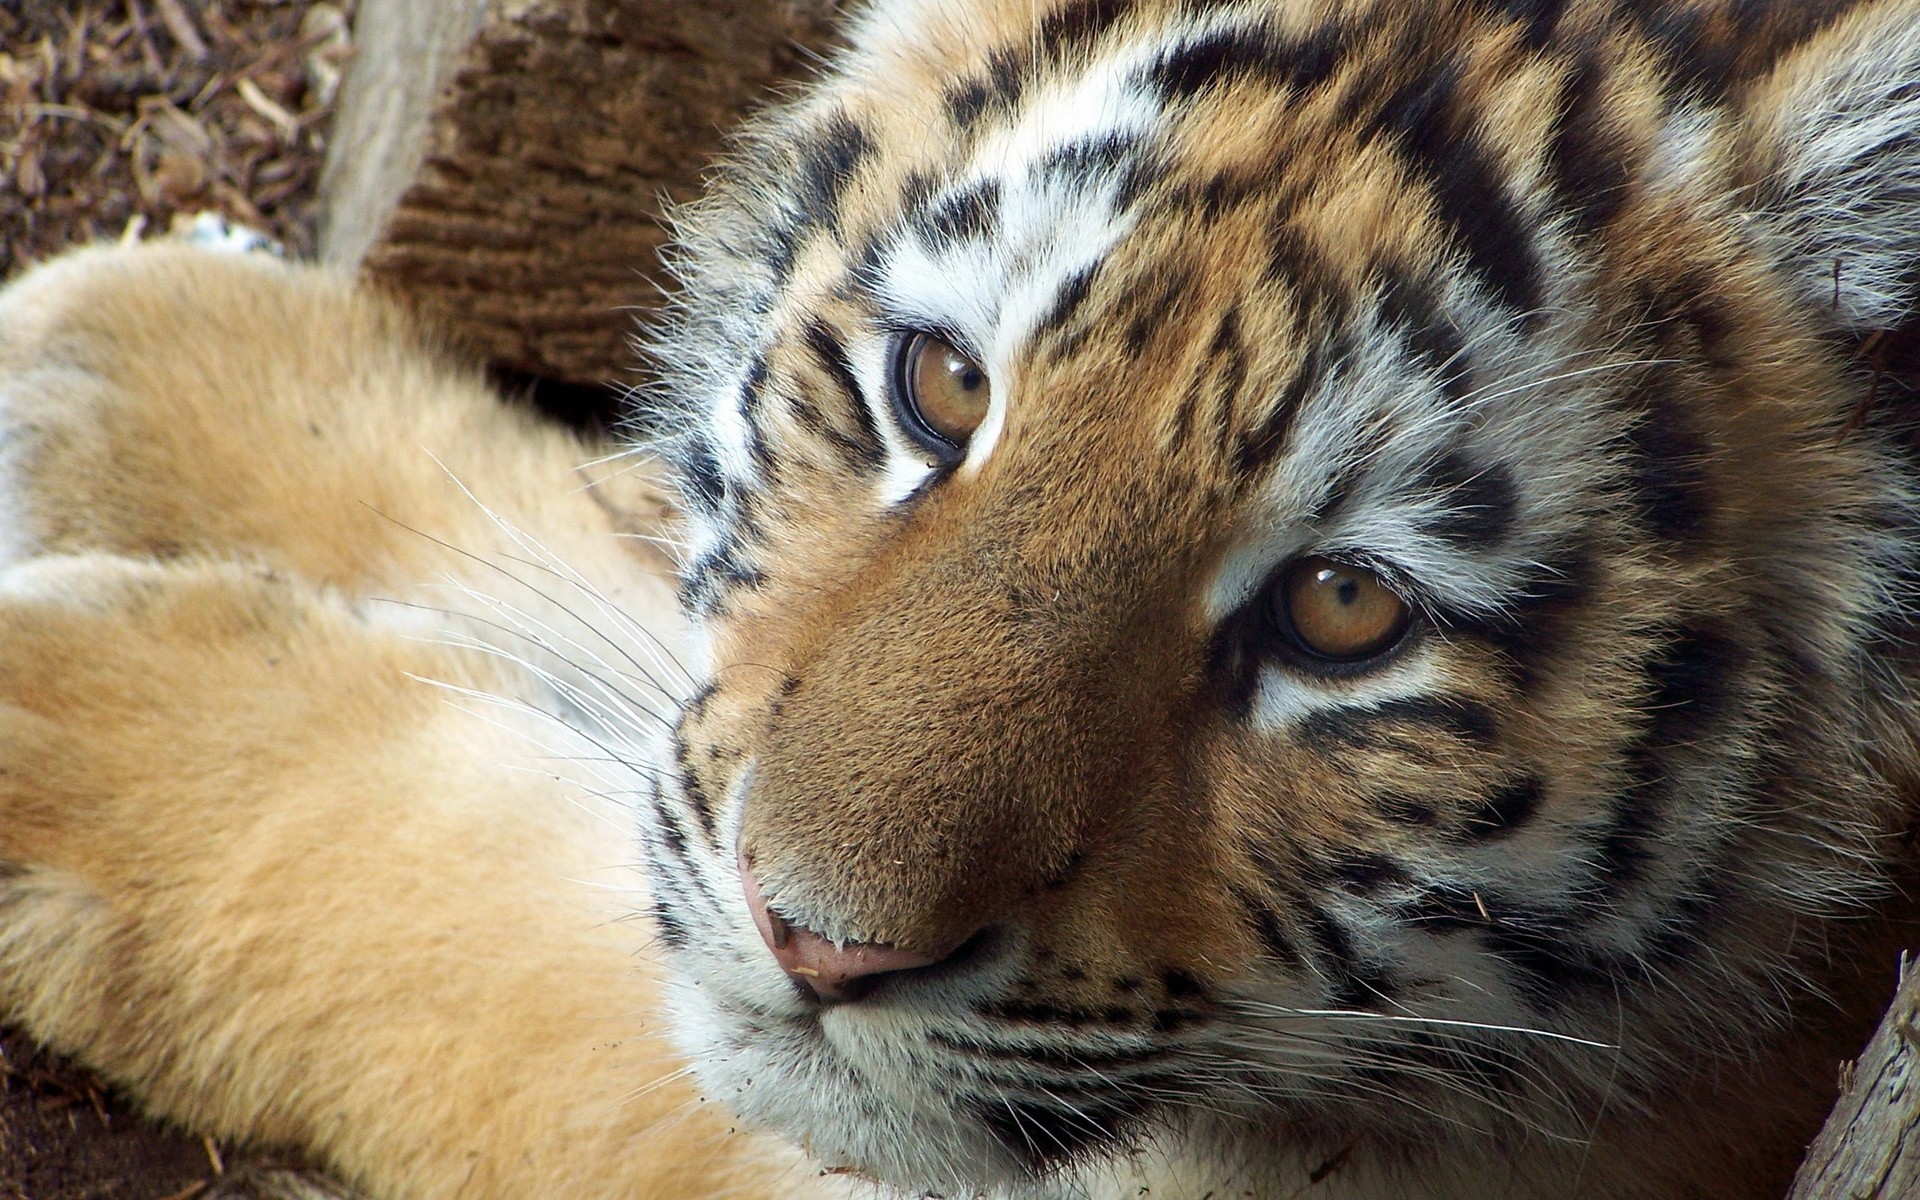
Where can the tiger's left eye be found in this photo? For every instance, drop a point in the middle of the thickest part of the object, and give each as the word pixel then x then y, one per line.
pixel 941 394
pixel 1338 611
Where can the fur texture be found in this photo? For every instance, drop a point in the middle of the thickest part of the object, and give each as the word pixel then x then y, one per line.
pixel 1578 326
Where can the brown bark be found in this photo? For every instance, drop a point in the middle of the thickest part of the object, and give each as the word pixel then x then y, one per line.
pixel 1870 1147
pixel 503 162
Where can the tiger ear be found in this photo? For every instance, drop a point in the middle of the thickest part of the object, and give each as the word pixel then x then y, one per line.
pixel 1832 160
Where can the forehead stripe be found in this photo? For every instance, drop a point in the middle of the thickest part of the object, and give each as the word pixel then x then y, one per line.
pixel 1421 119
pixel 827 164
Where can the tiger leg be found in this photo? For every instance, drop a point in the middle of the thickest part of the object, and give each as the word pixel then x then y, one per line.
pixel 253 865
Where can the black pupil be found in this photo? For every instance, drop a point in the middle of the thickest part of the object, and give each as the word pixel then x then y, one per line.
pixel 965 373
pixel 1348 590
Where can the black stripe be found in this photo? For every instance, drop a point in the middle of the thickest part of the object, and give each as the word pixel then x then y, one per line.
pixel 865 444
pixel 752 393
pixel 1417 811
pixel 1533 630
pixel 1481 503
pixel 1712 50
pixel 1233 659
pixel 696 475
pixel 1537 18
pixel 1505 809
pixel 1074 27
pixel 1261 445
pixel 1357 983
pixel 1024 1013
pixel 967 102
pixel 1668 476
pixel 1364 728
pixel 1468 192
pixel 1410 305
pixel 1693 677
pixel 1588 160
pixel 1044 1136
pixel 1061 1059
pixel 997 90
pixel 1364 873
pixel 1631 838
pixel 1072 294
pixel 828 161
pixel 695 795
pixel 673 933
pixel 1226 369
pixel 1547 967
pixel 1267 927
pixel 1248 53
pixel 1319 296
pixel 1149 304
pixel 779 246
pixel 1090 160
pixel 962 216
pixel 715 573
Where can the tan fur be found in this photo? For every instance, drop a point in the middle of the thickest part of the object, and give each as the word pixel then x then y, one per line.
pixel 207 717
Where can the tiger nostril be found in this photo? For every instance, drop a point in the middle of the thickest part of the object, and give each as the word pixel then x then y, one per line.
pixel 832 973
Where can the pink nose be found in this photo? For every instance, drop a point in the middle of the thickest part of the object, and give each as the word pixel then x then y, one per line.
pixel 833 973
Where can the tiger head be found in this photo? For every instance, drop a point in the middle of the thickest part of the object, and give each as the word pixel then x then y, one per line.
pixel 1280 575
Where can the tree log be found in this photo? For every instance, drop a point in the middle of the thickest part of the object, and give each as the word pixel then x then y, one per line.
pixel 503 163
pixel 1870 1147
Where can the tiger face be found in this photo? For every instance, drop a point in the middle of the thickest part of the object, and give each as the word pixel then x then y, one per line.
pixel 1283 577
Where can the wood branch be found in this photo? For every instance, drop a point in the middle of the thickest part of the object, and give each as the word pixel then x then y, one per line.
pixel 1870 1147
pixel 503 162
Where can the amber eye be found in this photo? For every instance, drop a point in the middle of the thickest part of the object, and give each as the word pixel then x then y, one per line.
pixel 941 393
pixel 1339 611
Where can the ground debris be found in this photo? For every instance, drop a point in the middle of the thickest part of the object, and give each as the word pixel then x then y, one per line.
pixel 119 113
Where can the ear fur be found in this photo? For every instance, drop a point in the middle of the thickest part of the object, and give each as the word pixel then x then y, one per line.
pixel 1832 155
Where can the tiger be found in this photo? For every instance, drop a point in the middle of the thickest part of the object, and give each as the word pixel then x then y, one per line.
pixel 1208 598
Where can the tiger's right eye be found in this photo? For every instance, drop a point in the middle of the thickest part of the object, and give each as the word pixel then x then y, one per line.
pixel 941 394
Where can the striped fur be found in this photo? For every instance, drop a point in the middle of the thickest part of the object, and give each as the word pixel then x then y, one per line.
pixel 1550 314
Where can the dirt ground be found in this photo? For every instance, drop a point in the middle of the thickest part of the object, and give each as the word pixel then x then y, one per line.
pixel 116 117
pixel 120 114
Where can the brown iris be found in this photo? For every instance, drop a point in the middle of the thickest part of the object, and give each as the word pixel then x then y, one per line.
pixel 1340 611
pixel 942 392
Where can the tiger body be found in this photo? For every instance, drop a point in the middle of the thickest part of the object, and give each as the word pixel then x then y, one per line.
pixel 1568 334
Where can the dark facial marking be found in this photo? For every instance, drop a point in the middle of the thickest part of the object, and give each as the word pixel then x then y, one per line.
pixel 1251 53
pixel 1468 191
pixel 1481 502
pixel 1259 446
pixel 863 447
pixel 1546 966
pixel 1537 16
pixel 1363 873
pixel 964 215
pixel 1367 728
pixel 1668 477
pixel 1530 634
pixel 1090 160
pixel 1588 161
pixel 1076 26
pixel 1044 1136
pixel 1505 809
pixel 673 933
pixel 827 166
pixel 1692 679
pixel 1266 925
pixel 1073 293
pixel 1356 983
pixel 1411 305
